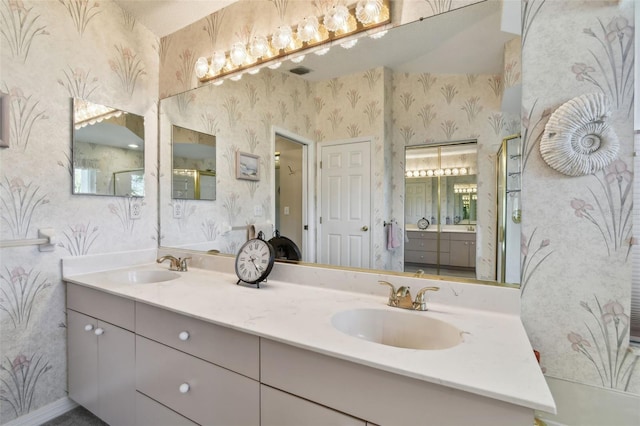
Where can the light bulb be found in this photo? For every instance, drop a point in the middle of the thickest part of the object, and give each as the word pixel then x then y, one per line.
pixel 463 171
pixel 368 11
pixel 308 29
pixel 259 47
pixel 254 71
pixel 275 65
pixel 218 82
pixel 297 59
pixel 202 67
pixel 238 54
pixel 337 19
pixel 236 77
pixel 408 173
pixel 455 171
pixel 423 173
pixel 282 38
pixel 430 173
pixel 218 61
pixel 447 172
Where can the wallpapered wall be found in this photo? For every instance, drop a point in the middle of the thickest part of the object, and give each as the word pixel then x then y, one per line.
pixel 576 231
pixel 52 51
pixel 577 275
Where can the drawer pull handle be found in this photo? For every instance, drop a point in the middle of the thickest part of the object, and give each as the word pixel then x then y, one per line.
pixel 184 336
pixel 88 327
pixel 98 331
pixel 184 388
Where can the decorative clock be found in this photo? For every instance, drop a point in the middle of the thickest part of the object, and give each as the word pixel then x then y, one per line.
pixel 423 223
pixel 255 260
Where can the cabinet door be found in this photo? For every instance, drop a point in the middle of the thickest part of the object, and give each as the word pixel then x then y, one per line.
pixel 82 359
pixel 459 254
pixel 116 375
pixel 278 408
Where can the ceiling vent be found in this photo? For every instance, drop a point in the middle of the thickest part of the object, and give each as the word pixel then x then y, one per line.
pixel 300 70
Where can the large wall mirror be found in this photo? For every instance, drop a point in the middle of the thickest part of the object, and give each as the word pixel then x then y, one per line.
pixel 438 80
pixel 108 151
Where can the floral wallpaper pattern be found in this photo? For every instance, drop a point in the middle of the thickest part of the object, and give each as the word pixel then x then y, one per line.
pixel 89 49
pixel 577 231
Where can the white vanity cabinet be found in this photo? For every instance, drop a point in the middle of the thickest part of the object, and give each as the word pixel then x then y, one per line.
pixel 101 354
pixel 379 397
pixel 202 371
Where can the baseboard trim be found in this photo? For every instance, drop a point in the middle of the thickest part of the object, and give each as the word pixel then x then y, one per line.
pixel 44 414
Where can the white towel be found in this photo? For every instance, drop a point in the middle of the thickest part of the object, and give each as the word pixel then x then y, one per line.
pixel 393 241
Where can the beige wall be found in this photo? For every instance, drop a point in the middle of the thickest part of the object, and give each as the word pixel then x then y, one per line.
pixel 572 266
pixel 61 58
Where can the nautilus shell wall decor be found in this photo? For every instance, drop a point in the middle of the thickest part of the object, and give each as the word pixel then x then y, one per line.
pixel 577 139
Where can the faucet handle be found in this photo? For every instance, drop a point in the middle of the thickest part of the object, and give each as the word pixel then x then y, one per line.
pixel 392 292
pixel 420 304
pixel 183 264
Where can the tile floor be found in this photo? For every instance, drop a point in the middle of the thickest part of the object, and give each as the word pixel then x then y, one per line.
pixel 79 416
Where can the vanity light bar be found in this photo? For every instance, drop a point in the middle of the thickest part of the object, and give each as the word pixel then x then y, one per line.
pixel 339 22
pixel 454 171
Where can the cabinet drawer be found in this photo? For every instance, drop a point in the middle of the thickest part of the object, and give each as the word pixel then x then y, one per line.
pixel 150 412
pixel 463 236
pixel 421 244
pixel 413 235
pixel 430 257
pixel 215 396
pixel 282 409
pixel 220 345
pixel 112 309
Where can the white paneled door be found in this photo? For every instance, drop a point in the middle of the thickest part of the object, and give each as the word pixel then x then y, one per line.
pixel 345 237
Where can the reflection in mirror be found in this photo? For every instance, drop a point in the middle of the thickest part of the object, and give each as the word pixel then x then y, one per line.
pixel 414 93
pixel 194 165
pixel 108 151
pixel 441 187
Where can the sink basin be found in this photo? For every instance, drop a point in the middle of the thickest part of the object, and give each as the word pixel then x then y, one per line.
pixel 143 277
pixel 397 328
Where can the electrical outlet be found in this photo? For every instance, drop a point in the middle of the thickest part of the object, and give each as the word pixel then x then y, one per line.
pixel 177 211
pixel 257 210
pixel 286 211
pixel 135 211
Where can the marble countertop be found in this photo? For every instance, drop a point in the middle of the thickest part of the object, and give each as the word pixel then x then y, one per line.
pixel 495 358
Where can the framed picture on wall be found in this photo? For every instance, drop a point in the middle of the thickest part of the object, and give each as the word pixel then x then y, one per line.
pixel 247 166
pixel 4 120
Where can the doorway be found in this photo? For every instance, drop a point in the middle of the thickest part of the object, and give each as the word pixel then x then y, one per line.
pixel 293 188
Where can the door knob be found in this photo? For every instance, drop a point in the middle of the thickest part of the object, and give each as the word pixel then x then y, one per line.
pixel 365 228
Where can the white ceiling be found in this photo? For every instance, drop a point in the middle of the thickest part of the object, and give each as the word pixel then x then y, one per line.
pixel 164 17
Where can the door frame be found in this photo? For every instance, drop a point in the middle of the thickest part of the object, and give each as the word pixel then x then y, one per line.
pixel 320 145
pixel 308 188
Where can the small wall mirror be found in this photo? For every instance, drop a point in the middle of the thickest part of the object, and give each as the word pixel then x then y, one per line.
pixel 194 164
pixel 108 151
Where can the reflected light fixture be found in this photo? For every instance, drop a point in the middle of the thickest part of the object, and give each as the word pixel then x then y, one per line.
pixel 282 38
pixel 349 44
pixel 297 59
pixel 259 47
pixel 238 54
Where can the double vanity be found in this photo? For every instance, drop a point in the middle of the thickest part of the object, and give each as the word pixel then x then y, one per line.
pixel 312 346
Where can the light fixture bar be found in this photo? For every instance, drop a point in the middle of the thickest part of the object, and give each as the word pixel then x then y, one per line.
pixel 362 16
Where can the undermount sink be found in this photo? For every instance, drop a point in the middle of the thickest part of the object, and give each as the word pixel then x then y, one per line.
pixel 143 277
pixel 397 328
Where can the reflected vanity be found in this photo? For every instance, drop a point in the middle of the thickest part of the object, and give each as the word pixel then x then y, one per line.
pixel 108 151
pixel 441 187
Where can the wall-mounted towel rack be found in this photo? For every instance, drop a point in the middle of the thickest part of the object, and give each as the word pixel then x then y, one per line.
pixel 45 241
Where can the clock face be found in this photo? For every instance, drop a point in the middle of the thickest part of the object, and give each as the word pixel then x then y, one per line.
pixel 254 261
pixel 423 223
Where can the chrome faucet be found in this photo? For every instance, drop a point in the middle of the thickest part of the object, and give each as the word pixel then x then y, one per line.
pixel 175 263
pixel 401 298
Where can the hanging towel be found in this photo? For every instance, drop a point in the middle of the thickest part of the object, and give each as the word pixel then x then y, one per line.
pixel 393 241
